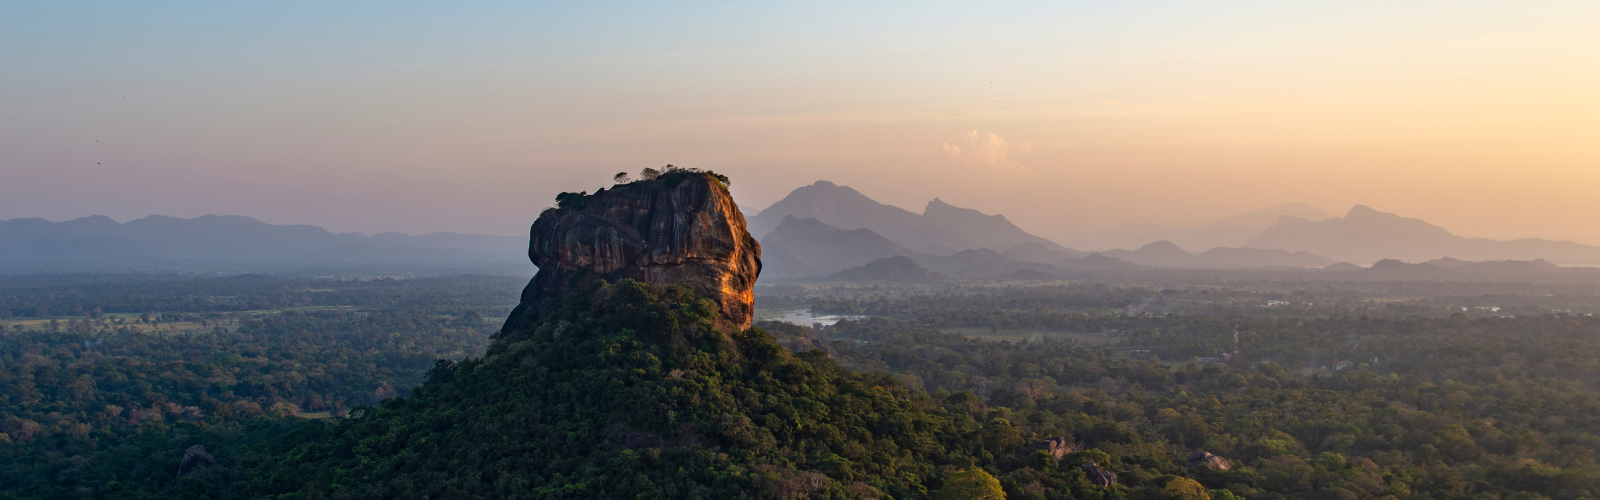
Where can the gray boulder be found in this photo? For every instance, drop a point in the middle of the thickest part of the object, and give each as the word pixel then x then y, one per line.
pixel 193 457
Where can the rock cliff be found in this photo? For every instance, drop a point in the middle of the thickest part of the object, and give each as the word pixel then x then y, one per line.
pixel 679 228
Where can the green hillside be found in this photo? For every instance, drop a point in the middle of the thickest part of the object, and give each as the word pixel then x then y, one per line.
pixel 628 392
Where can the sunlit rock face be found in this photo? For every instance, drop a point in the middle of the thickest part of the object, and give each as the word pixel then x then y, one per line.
pixel 680 228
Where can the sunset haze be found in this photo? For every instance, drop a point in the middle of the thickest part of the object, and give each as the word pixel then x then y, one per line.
pixel 1069 118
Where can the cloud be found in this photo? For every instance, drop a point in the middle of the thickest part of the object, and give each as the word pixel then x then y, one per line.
pixel 985 150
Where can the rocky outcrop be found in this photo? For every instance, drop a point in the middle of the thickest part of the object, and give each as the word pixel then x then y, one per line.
pixel 1206 459
pixel 193 457
pixel 680 228
pixel 1058 447
pixel 1097 475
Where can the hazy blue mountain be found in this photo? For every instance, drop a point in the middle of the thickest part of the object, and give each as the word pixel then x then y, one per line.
pixel 1241 258
pixel 1167 254
pixel 1341 267
pixel 1159 254
pixel 811 248
pixel 973 229
pixel 1229 232
pixel 1030 251
pixel 941 229
pixel 897 269
pixel 837 206
pixel 808 248
pixel 1098 262
pixel 981 263
pixel 1367 235
pixel 160 240
pixel 1238 230
pixel 778 263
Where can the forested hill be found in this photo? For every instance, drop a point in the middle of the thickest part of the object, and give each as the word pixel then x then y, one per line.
pixel 625 391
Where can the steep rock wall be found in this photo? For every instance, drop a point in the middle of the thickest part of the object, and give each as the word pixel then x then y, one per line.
pixel 680 228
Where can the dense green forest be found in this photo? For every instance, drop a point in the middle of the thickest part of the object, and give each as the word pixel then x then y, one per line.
pixel 1486 408
pixel 79 393
pixel 94 295
pixel 626 392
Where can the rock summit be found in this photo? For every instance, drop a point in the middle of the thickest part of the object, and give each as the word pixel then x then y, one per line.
pixel 681 227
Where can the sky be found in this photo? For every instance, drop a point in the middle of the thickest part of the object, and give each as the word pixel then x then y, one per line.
pixel 1068 117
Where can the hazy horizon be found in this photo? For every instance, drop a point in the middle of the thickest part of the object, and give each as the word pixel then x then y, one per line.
pixel 1069 120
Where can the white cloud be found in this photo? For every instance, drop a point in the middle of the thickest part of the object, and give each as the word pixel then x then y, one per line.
pixel 986 150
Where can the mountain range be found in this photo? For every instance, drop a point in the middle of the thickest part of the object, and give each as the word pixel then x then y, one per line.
pixel 1167 254
pixel 825 228
pixel 815 231
pixel 100 243
pixel 807 248
pixel 1367 235
pixel 941 229
pixel 1232 231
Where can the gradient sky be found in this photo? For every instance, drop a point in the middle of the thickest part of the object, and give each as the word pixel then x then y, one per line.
pixel 1068 117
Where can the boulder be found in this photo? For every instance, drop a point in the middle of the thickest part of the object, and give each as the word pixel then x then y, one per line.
pixel 1057 447
pixel 1206 459
pixel 193 457
pixel 680 228
pixel 1097 475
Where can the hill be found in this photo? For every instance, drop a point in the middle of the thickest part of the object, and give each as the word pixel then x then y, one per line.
pixel 1161 254
pixel 1457 270
pixel 808 248
pixel 813 248
pixel 214 240
pixel 898 269
pixel 618 393
pixel 941 229
pixel 1231 231
pixel 1166 254
pixel 1030 251
pixel 1237 230
pixel 1367 235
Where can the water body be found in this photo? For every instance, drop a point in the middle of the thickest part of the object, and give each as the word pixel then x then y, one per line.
pixel 804 317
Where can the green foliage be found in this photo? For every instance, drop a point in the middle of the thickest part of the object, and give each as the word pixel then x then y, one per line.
pixel 620 392
pixel 628 391
pixel 1183 488
pixel 178 298
pixel 101 407
pixel 572 201
pixel 1504 415
pixel 970 484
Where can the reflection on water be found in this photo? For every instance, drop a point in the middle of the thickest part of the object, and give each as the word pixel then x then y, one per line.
pixel 804 317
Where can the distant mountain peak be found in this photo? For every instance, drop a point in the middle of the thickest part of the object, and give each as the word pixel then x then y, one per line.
pixel 1163 246
pixel 1365 234
pixel 942 229
pixel 1232 231
pixel 1364 211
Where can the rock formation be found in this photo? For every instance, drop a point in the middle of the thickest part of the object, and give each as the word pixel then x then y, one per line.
pixel 1058 447
pixel 679 228
pixel 1206 459
pixel 193 457
pixel 1097 475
